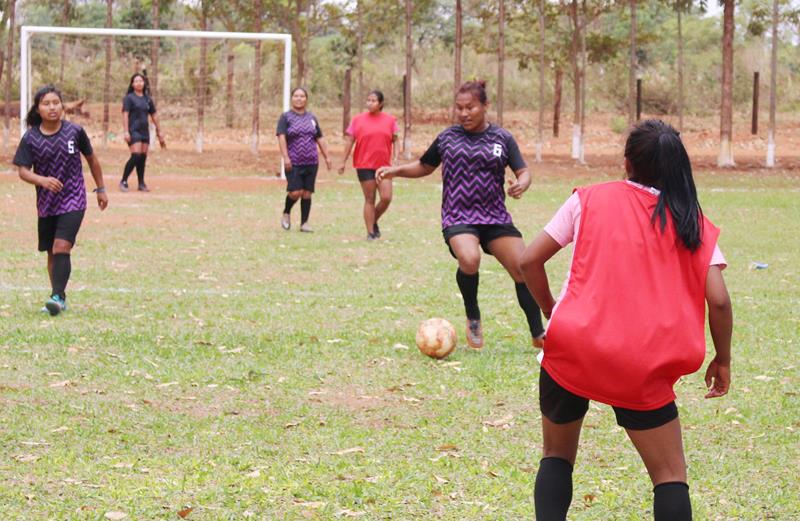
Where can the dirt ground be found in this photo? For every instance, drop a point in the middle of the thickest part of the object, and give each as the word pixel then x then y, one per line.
pixel 227 158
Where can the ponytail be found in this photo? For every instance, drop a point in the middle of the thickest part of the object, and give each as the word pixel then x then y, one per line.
pixel 659 159
pixel 34 119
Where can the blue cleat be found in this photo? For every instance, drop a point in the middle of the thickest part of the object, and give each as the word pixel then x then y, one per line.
pixel 55 305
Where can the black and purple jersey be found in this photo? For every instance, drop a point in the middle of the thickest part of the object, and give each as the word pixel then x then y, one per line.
pixel 302 132
pixel 473 173
pixel 59 156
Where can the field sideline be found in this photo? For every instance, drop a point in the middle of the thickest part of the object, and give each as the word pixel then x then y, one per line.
pixel 210 360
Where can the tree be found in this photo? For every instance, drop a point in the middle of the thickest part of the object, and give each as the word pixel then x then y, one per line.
pixel 633 68
pixel 457 51
pixel 540 133
pixel 11 8
pixel 726 109
pixel 773 80
pixel 154 47
pixel 407 83
pixel 501 56
pixel 107 78
pixel 202 14
pixel 681 6
pixel 65 19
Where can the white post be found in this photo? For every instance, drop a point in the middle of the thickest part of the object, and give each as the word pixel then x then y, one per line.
pixel 24 39
pixel 287 78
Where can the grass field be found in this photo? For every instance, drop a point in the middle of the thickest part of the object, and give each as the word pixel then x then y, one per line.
pixel 212 361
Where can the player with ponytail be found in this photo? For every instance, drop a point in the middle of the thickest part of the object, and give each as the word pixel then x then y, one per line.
pixel 630 320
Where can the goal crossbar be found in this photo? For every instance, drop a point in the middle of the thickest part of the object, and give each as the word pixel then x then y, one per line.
pixel 27 31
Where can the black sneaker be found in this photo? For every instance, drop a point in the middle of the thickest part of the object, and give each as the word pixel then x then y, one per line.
pixel 376 231
pixel 143 188
pixel 371 237
pixel 123 186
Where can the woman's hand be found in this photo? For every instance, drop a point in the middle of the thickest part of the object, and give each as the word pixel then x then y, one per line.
pixel 329 164
pixel 102 200
pixel 718 379
pixel 340 171
pixel 287 164
pixel 127 137
pixel 384 172
pixel 518 186
pixel 161 140
pixel 51 184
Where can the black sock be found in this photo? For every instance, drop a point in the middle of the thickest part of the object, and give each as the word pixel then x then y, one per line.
pixel 468 284
pixel 62 266
pixel 140 168
pixel 671 502
pixel 129 166
pixel 289 203
pixel 531 309
pixel 305 210
pixel 553 490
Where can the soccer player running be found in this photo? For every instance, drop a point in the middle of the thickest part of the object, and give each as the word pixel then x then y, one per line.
pixel 374 134
pixel 474 155
pixel 630 319
pixel 299 135
pixel 48 157
pixel 136 107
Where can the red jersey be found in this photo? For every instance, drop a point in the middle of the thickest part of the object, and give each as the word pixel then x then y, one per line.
pixel 373 134
pixel 632 319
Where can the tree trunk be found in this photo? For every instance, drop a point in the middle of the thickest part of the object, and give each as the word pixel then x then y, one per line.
pixel 581 156
pixel 230 58
pixel 559 80
pixel 360 53
pixel 458 46
pixel 9 72
pixel 346 99
pixel 201 81
pixel 773 82
pixel 540 137
pixel 407 96
pixel 107 79
pixel 576 80
pixel 65 23
pixel 299 43
pixel 501 57
pixel 680 67
pixel 726 110
pixel 155 44
pixel 256 82
pixel 632 69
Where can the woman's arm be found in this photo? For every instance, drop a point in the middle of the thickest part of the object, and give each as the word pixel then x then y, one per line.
pixel 532 263
pixel 323 147
pixel 97 174
pixel 412 170
pixel 284 146
pixel 50 184
pixel 395 148
pixel 161 140
pixel 348 147
pixel 523 181
pixel 720 322
pixel 125 128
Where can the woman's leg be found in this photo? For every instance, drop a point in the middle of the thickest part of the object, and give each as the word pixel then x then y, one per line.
pixel 385 190
pixel 466 248
pixel 552 492
pixel 135 149
pixel 508 251
pixel 369 188
pixel 661 450
pixel 140 165
pixel 305 210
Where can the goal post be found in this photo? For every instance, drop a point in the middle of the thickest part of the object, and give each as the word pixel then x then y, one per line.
pixel 27 33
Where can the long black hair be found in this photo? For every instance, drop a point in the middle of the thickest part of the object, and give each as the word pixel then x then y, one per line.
pixel 659 159
pixel 34 119
pixel 146 83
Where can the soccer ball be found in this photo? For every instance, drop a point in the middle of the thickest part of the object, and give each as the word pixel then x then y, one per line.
pixel 436 337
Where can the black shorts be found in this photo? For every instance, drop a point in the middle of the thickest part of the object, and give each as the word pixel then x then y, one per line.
pixel 561 406
pixel 301 177
pixel 485 233
pixel 64 226
pixel 140 137
pixel 366 174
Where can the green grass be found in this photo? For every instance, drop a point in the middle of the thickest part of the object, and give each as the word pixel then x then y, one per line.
pixel 211 360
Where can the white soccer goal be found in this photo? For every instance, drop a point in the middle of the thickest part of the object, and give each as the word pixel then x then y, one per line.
pixel 27 34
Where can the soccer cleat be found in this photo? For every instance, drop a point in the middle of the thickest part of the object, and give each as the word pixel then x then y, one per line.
pixel 55 305
pixel 123 186
pixel 474 334
pixel 376 231
pixel 285 222
pixel 538 342
pixel 371 237
pixel 306 228
pixel 143 188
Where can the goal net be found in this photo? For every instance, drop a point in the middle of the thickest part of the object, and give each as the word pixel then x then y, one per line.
pixel 199 107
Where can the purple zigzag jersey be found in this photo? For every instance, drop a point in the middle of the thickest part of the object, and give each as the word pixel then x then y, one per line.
pixel 473 173
pixel 58 156
pixel 301 138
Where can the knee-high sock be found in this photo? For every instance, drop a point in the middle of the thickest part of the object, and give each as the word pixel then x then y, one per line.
pixel 129 166
pixel 553 490
pixel 140 168
pixel 62 267
pixel 287 208
pixel 468 284
pixel 305 210
pixel 671 502
pixel 531 309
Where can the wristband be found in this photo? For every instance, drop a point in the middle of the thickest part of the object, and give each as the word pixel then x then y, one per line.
pixel 100 190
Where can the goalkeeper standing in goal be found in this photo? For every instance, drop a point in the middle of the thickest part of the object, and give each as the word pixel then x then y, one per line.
pixel 136 107
pixel 49 157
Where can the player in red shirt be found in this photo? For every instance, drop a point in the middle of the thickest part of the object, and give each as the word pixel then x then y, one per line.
pixel 374 134
pixel 631 318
